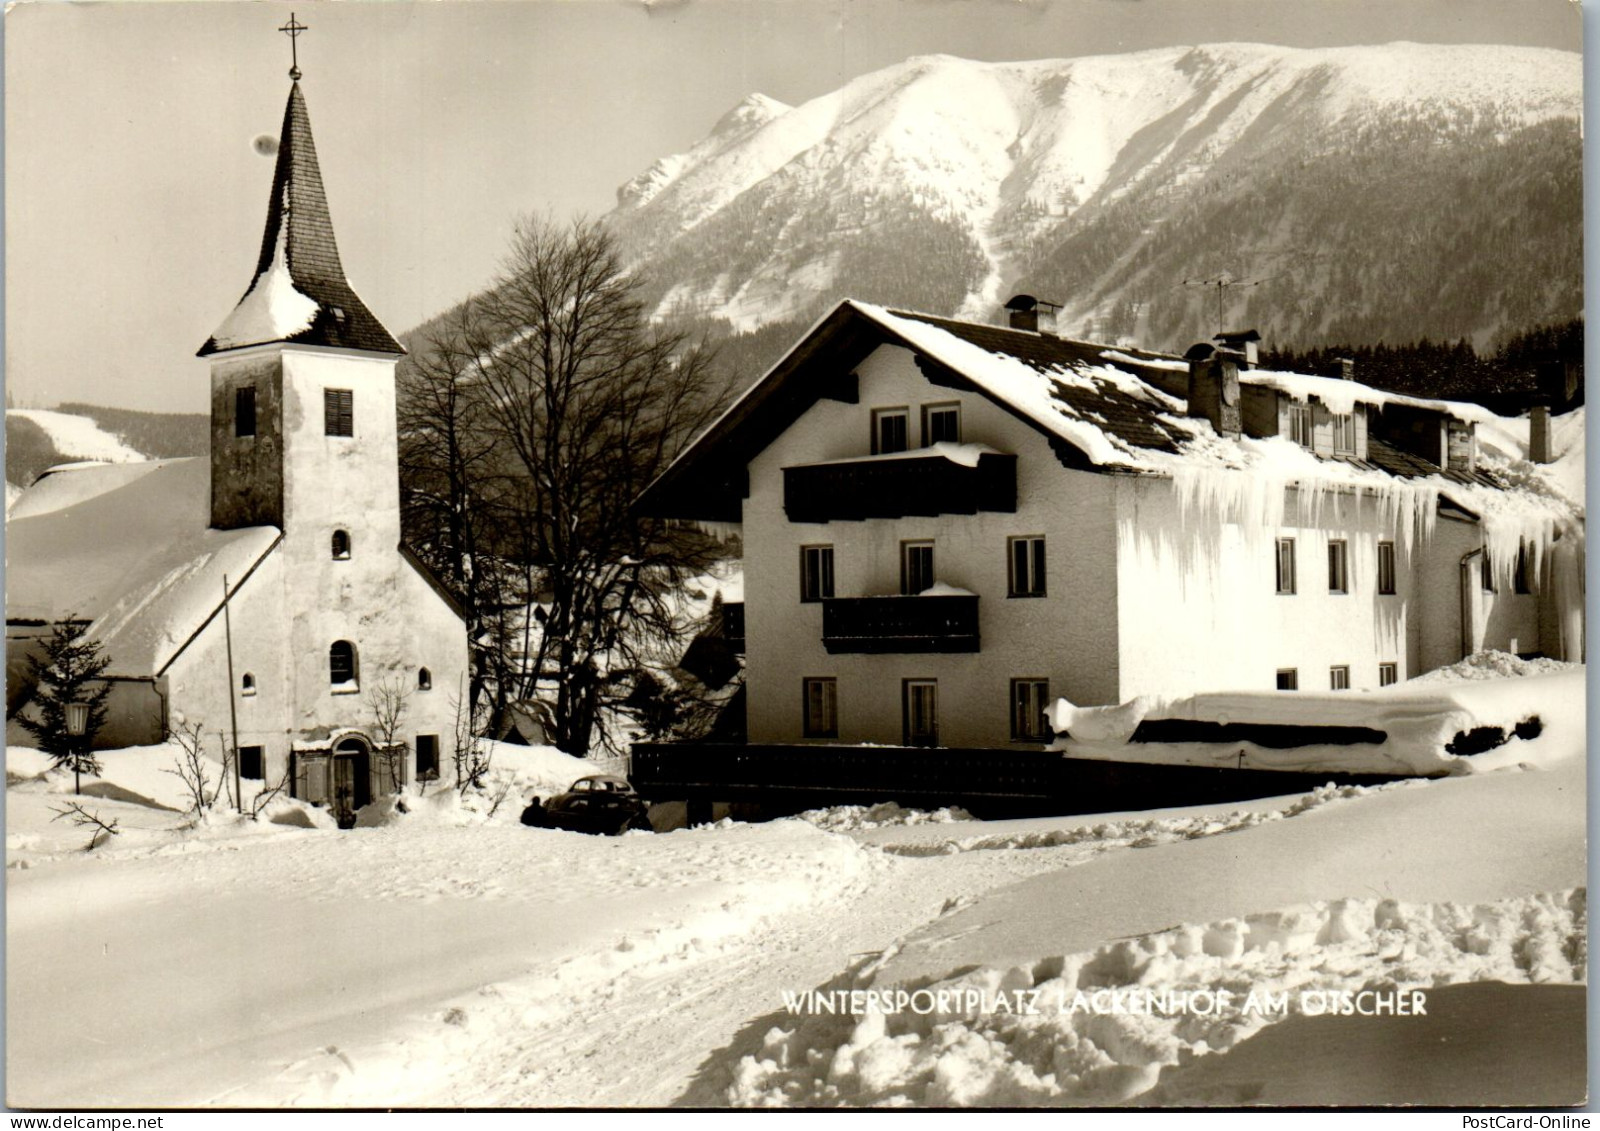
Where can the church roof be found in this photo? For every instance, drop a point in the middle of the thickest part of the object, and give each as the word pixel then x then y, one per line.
pixel 126 547
pixel 300 293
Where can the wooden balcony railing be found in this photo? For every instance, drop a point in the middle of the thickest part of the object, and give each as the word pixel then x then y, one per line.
pixel 901 486
pixel 900 624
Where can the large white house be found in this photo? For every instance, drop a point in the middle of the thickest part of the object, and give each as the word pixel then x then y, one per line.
pixel 263 592
pixel 948 525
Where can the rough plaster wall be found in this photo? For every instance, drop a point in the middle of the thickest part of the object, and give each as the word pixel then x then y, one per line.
pixel 1066 637
pixel 247 471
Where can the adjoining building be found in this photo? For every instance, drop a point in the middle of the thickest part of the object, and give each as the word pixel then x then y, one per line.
pixel 948 525
pixel 267 584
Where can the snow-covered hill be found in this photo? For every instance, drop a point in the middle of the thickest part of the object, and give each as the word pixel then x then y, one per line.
pixel 944 183
pixel 78 437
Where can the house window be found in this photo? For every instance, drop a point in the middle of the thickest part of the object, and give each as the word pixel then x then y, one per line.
pixel 247 684
pixel 250 763
pixel 1386 567
pixel 1387 674
pixel 1486 572
pixel 821 707
pixel 1344 433
pixel 941 423
pixel 338 412
pixel 890 430
pixel 1288 679
pixel 341 545
pixel 427 757
pixel 916 567
pixel 1339 677
pixel 1285 565
pixel 342 665
pixel 1338 567
pixel 1519 576
pixel 424 679
pixel 1300 424
pixel 244 410
pixel 1026 556
pixel 920 712
pixel 1029 698
pixel 816 573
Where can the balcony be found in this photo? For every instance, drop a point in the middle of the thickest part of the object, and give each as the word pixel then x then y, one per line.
pixel 943 479
pixel 900 624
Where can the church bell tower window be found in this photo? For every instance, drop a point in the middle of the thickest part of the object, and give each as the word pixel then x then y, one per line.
pixel 338 412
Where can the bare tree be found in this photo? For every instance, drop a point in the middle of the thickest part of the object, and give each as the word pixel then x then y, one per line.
pixel 264 796
pixel 86 819
pixel 585 406
pixel 191 768
pixel 388 701
pixel 468 754
pixel 451 479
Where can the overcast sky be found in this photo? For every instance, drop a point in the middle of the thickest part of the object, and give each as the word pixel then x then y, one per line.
pixel 135 200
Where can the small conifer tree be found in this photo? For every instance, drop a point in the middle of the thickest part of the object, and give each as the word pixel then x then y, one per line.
pixel 68 672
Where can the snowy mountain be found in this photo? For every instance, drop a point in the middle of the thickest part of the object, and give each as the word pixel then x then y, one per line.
pixel 1360 193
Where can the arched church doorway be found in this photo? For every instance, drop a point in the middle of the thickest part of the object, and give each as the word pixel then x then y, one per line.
pixel 352 779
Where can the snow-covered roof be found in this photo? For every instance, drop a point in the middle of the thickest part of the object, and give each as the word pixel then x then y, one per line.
pixel 131 553
pixel 1107 409
pixel 299 292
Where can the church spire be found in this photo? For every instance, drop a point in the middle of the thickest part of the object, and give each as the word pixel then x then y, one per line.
pixel 300 293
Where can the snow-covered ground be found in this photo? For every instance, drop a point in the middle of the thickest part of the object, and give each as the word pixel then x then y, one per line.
pixel 450 956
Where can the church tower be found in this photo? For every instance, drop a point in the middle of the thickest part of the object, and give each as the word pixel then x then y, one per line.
pixel 302 373
pixel 304 438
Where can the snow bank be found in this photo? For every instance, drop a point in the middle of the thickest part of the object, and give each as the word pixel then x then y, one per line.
pixel 1540 717
pixel 1493 664
pixel 1097 1027
pixel 886 814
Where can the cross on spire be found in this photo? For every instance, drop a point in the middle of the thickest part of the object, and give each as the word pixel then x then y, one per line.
pixel 293 29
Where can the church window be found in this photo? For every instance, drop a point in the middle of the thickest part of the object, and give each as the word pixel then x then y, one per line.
pixel 424 679
pixel 244 410
pixel 247 684
pixel 342 670
pixel 341 545
pixel 338 412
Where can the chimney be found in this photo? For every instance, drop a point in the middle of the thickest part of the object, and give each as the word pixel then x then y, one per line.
pixel 1214 386
pixel 1034 315
pixel 1539 434
pixel 1241 342
pixel 1347 369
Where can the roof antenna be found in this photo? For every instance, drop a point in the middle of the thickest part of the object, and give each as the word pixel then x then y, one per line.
pixel 293 29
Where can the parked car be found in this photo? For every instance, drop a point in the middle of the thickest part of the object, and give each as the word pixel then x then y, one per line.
pixel 600 803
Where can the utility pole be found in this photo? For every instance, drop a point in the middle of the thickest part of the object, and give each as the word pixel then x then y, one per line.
pixel 233 710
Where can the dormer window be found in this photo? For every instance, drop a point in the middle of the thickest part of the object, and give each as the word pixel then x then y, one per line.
pixel 341 545
pixel 890 431
pixel 1298 424
pixel 1344 433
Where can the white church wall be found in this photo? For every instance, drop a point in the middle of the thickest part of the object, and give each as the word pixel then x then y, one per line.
pixel 1066 637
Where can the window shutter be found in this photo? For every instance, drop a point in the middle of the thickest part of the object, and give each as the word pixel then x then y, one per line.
pixel 338 410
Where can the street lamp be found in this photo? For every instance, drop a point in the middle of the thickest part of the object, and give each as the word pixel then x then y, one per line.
pixel 77 723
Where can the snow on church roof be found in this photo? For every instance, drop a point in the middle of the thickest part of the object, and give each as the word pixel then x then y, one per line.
pixel 131 554
pixel 299 292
